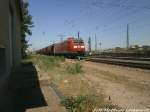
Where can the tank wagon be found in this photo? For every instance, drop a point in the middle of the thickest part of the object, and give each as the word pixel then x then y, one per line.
pixel 72 47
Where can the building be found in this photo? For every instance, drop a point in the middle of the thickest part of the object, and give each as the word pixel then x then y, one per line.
pixel 10 38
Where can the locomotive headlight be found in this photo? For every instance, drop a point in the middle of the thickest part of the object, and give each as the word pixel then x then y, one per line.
pixel 74 46
pixel 82 46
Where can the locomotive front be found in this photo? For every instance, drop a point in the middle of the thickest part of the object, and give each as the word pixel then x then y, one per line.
pixel 76 46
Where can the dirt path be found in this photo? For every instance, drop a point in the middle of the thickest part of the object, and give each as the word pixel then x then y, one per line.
pixel 126 87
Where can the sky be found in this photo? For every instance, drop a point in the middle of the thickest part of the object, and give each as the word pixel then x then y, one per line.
pixel 107 19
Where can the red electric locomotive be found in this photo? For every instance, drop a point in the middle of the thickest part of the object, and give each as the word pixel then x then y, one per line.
pixel 71 47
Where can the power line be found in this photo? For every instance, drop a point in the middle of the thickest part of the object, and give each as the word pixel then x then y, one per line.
pixel 121 4
pixel 120 17
pixel 118 3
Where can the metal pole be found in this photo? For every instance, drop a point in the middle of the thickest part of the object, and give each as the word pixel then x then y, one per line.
pixel 100 44
pixel 127 36
pixel 89 42
pixel 95 43
pixel 54 47
pixel 78 37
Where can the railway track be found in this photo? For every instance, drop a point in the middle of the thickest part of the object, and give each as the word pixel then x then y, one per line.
pixel 123 58
pixel 122 62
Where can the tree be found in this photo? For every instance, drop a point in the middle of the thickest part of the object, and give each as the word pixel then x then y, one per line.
pixel 26 26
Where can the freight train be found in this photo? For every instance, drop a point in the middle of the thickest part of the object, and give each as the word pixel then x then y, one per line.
pixel 72 47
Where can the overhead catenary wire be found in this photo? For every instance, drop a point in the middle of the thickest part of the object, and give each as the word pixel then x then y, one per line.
pixel 111 4
pixel 128 16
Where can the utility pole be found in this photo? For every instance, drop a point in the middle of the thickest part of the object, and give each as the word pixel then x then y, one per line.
pixel 89 42
pixel 127 36
pixel 78 38
pixel 78 35
pixel 95 43
pixel 100 45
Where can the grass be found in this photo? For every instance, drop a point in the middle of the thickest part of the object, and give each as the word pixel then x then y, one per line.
pixel 48 62
pixel 75 68
pixel 77 104
pixel 85 103
pixel 80 103
pixel 80 94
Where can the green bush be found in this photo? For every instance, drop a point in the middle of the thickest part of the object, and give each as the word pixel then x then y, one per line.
pixel 73 104
pixel 80 103
pixel 75 68
pixel 86 103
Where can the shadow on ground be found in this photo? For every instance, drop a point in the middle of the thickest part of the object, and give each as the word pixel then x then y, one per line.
pixel 25 88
